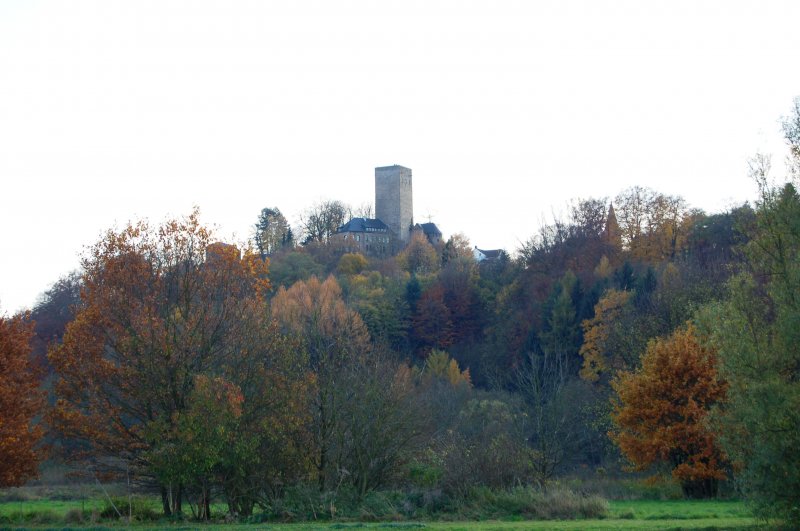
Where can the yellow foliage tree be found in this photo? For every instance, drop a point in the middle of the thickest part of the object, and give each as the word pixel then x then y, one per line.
pixel 440 364
pixel 419 256
pixel 596 359
pixel 352 264
pixel 336 341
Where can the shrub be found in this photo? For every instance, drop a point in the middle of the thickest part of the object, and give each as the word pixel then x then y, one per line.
pixel 73 516
pixel 136 507
pixel 16 495
pixel 565 504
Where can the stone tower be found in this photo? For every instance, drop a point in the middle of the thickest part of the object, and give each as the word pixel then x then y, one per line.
pixel 393 199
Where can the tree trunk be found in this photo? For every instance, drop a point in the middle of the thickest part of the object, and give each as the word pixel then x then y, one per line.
pixel 177 501
pixel 323 446
pixel 699 489
pixel 165 502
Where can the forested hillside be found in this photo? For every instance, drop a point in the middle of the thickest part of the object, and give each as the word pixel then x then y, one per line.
pixel 633 333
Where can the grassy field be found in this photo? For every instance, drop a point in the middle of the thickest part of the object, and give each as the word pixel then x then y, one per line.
pixel 638 514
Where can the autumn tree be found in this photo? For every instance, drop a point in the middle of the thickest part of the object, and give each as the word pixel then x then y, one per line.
pixel 457 246
pixel 21 401
pixel 713 240
pixel 271 232
pixel 432 323
pixel 186 449
pixel 653 226
pixel 362 413
pixel 287 268
pixel 419 256
pixel 439 364
pixel 382 421
pixel 662 408
pixel 334 337
pixel 160 306
pixel 321 220
pixel 597 360
pixel 351 263
pixel 459 281
pixel 576 243
pixel 53 310
pixel 382 304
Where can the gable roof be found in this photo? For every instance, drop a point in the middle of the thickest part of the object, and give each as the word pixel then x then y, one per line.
pixel 392 167
pixel 429 229
pixel 364 225
pixel 490 254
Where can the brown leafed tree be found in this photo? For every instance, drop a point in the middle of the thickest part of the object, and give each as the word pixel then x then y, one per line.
pixel 432 323
pixel 20 401
pixel 662 409
pixel 159 307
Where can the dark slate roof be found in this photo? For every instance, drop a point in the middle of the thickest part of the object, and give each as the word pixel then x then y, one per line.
pixel 364 225
pixel 490 253
pixel 430 229
pixel 393 166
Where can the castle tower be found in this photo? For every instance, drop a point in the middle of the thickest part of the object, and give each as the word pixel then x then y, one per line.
pixel 393 199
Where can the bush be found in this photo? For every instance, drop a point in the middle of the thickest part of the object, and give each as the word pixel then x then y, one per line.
pixel 529 503
pixel 565 504
pixel 486 448
pixel 73 516
pixel 653 488
pixel 136 507
pixel 303 503
pixel 16 494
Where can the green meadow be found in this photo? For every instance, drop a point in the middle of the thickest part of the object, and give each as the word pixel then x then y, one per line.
pixel 629 514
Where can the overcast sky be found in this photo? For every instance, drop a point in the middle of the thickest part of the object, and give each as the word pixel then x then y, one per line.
pixel 111 110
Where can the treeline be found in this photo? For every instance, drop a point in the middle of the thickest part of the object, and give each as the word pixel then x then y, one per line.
pixel 636 331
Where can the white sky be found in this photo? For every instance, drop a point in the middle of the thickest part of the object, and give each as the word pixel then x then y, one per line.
pixel 114 110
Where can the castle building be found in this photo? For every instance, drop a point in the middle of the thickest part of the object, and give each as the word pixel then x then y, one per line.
pixel 394 213
pixel 431 231
pixel 366 236
pixel 394 200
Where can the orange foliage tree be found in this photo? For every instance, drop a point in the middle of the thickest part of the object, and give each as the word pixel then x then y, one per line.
pixel 662 409
pixel 160 306
pixel 20 401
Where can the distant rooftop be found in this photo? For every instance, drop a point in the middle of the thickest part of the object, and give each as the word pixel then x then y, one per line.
pixel 364 225
pixel 490 254
pixel 393 166
pixel 429 229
